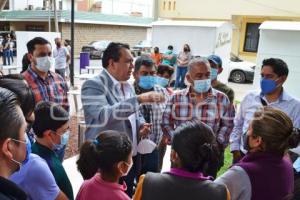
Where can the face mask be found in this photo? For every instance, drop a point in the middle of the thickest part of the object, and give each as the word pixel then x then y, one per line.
pixel 28 152
pixel 44 64
pixel 162 81
pixel 146 146
pixel 202 86
pixel 246 141
pixel 147 82
pixel 185 49
pixel 129 168
pixel 64 138
pixel 213 74
pixel 268 85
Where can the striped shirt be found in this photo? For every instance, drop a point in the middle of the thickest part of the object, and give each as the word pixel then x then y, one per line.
pixel 215 111
pixel 153 112
pixel 53 88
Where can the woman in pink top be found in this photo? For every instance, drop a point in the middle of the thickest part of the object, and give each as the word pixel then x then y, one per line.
pixel 103 161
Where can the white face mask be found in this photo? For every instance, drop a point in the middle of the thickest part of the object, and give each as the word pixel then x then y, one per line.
pixel 44 64
pixel 146 146
pixel 129 168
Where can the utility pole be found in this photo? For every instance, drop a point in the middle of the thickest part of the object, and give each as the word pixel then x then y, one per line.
pixel 49 14
pixel 55 16
pixel 72 43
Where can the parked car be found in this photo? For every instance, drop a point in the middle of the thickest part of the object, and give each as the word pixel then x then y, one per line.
pixel 240 71
pixel 143 47
pixel 96 48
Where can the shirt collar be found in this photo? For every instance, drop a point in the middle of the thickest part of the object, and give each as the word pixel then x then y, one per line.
pixel 35 75
pixel 115 81
pixel 284 96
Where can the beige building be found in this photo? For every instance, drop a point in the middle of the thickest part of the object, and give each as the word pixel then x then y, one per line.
pixel 89 26
pixel 245 15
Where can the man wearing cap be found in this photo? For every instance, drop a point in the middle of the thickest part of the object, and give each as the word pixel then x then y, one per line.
pixel 216 69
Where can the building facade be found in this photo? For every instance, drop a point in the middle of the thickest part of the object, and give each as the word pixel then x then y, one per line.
pixel 245 15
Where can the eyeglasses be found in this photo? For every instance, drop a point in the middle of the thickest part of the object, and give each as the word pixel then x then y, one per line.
pixel 24 142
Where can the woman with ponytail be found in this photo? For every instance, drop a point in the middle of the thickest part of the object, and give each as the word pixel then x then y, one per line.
pixel 193 150
pixel 266 172
pixel 104 161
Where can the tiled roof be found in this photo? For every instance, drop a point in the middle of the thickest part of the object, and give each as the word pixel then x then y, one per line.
pixel 80 17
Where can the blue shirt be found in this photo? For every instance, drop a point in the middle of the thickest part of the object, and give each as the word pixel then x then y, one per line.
pixel 250 104
pixel 36 179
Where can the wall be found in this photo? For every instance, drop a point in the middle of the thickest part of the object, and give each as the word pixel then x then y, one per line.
pixel 239 29
pixel 22 4
pixel 224 9
pixel 86 33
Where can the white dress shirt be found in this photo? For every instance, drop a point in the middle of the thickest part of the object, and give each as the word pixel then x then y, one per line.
pixel 127 92
pixel 250 104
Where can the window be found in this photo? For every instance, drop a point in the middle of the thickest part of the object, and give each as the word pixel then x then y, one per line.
pixel 169 6
pixel 35 28
pixel 251 37
pixel 174 5
pixel 165 5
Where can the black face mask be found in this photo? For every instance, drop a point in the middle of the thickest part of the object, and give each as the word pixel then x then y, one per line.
pixel 246 141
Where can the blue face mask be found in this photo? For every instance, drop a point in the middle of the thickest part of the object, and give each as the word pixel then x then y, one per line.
pixel 213 74
pixel 147 82
pixel 64 138
pixel 162 81
pixel 28 150
pixel 268 85
pixel 202 86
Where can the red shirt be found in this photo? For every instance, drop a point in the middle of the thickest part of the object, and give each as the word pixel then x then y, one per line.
pixel 53 88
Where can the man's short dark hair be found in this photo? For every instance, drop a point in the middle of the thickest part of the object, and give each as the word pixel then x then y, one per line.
pixel 36 41
pixel 279 66
pixel 113 52
pixel 143 60
pixel 11 117
pixel 161 69
pixel 50 116
pixel 170 47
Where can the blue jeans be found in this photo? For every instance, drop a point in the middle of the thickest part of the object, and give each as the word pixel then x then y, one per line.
pixel 6 57
pixel 11 56
pixel 180 76
pixel 150 162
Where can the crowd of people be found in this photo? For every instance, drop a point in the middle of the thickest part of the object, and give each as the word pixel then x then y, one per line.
pixel 7 49
pixel 128 128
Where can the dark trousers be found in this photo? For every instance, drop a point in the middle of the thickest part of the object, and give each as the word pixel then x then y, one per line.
pixel 61 72
pixel 162 148
pixel 214 167
pixel 180 76
pixel 132 177
pixel 149 162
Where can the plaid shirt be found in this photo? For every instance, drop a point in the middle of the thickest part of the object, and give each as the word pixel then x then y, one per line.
pixel 53 88
pixel 153 112
pixel 215 111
